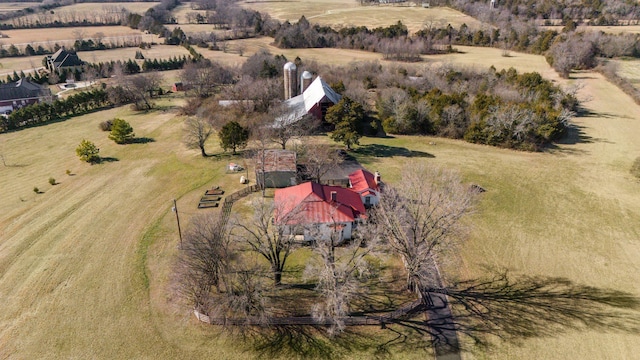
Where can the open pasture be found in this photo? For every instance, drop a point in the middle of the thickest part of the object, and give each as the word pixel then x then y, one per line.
pixel 339 13
pixel 47 38
pixel 82 11
pixel 155 52
pixel 6 7
pixel 181 11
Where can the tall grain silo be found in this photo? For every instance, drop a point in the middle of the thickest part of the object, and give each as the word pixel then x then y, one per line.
pixel 290 80
pixel 305 81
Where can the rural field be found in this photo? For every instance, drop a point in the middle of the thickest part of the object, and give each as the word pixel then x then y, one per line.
pixel 78 12
pixel 85 265
pixel 6 7
pixel 350 13
pixel 67 36
pixel 181 11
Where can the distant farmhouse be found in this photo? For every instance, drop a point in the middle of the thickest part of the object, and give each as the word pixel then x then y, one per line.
pixel 18 94
pixel 276 168
pixel 315 96
pixel 63 59
pixel 330 209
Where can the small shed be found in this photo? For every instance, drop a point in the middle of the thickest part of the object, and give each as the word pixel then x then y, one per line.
pixel 178 86
pixel 276 168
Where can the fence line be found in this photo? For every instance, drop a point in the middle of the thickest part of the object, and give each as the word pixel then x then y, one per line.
pixel 227 204
pixel 398 314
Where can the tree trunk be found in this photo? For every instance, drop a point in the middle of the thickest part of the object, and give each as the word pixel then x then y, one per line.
pixel 204 154
pixel 277 277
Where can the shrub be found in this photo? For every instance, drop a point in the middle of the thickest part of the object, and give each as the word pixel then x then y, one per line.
pixel 52 181
pixel 68 172
pixel 121 131
pixel 36 190
pixel 106 125
pixel 88 152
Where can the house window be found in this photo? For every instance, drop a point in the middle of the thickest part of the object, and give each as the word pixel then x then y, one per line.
pixel 367 200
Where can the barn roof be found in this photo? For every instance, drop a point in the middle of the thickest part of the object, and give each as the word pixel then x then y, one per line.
pixel 276 160
pixel 317 92
pixel 311 203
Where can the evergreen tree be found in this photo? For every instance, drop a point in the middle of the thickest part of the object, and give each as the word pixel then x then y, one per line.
pixel 345 116
pixel 121 131
pixel 233 136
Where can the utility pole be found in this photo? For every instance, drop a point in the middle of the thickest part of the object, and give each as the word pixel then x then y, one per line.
pixel 175 209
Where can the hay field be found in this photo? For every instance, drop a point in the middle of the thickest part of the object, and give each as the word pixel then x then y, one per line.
pixel 332 56
pixel 155 52
pixel 340 13
pixel 180 12
pixel 81 11
pixel 6 7
pixel 67 36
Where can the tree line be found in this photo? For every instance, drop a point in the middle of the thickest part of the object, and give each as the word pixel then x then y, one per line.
pixel 44 112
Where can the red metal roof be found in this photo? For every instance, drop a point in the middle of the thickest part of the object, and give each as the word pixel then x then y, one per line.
pixel 362 180
pixel 312 203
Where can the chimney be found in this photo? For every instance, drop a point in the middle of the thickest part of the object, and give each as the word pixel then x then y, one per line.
pixel 334 196
pixel 377 178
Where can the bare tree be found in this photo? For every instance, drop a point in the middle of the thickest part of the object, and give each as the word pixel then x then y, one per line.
pixel 203 261
pixel 420 218
pixel 139 89
pixel 265 235
pixel 79 34
pixel 340 273
pixel 203 77
pixel 285 125
pixel 196 132
pixel 318 160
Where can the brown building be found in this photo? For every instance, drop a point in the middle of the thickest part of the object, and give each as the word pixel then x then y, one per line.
pixel 276 168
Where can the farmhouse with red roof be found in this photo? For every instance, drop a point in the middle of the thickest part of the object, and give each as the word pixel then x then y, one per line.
pixel 367 185
pixel 311 209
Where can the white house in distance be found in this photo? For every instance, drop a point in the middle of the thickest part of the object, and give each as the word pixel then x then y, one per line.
pixel 367 185
pixel 311 210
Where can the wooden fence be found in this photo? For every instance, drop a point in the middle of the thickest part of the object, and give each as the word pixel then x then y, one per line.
pixel 231 198
pixel 401 313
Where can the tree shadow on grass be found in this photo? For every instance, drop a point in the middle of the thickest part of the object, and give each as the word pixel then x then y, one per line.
pixel 486 309
pixel 516 308
pixel 142 140
pixel 107 159
pixel 377 150
pixel 574 135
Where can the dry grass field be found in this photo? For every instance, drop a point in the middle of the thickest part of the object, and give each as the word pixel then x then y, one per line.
pixel 350 13
pixel 6 7
pixel 630 69
pixel 67 36
pixel 82 11
pixel 180 12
